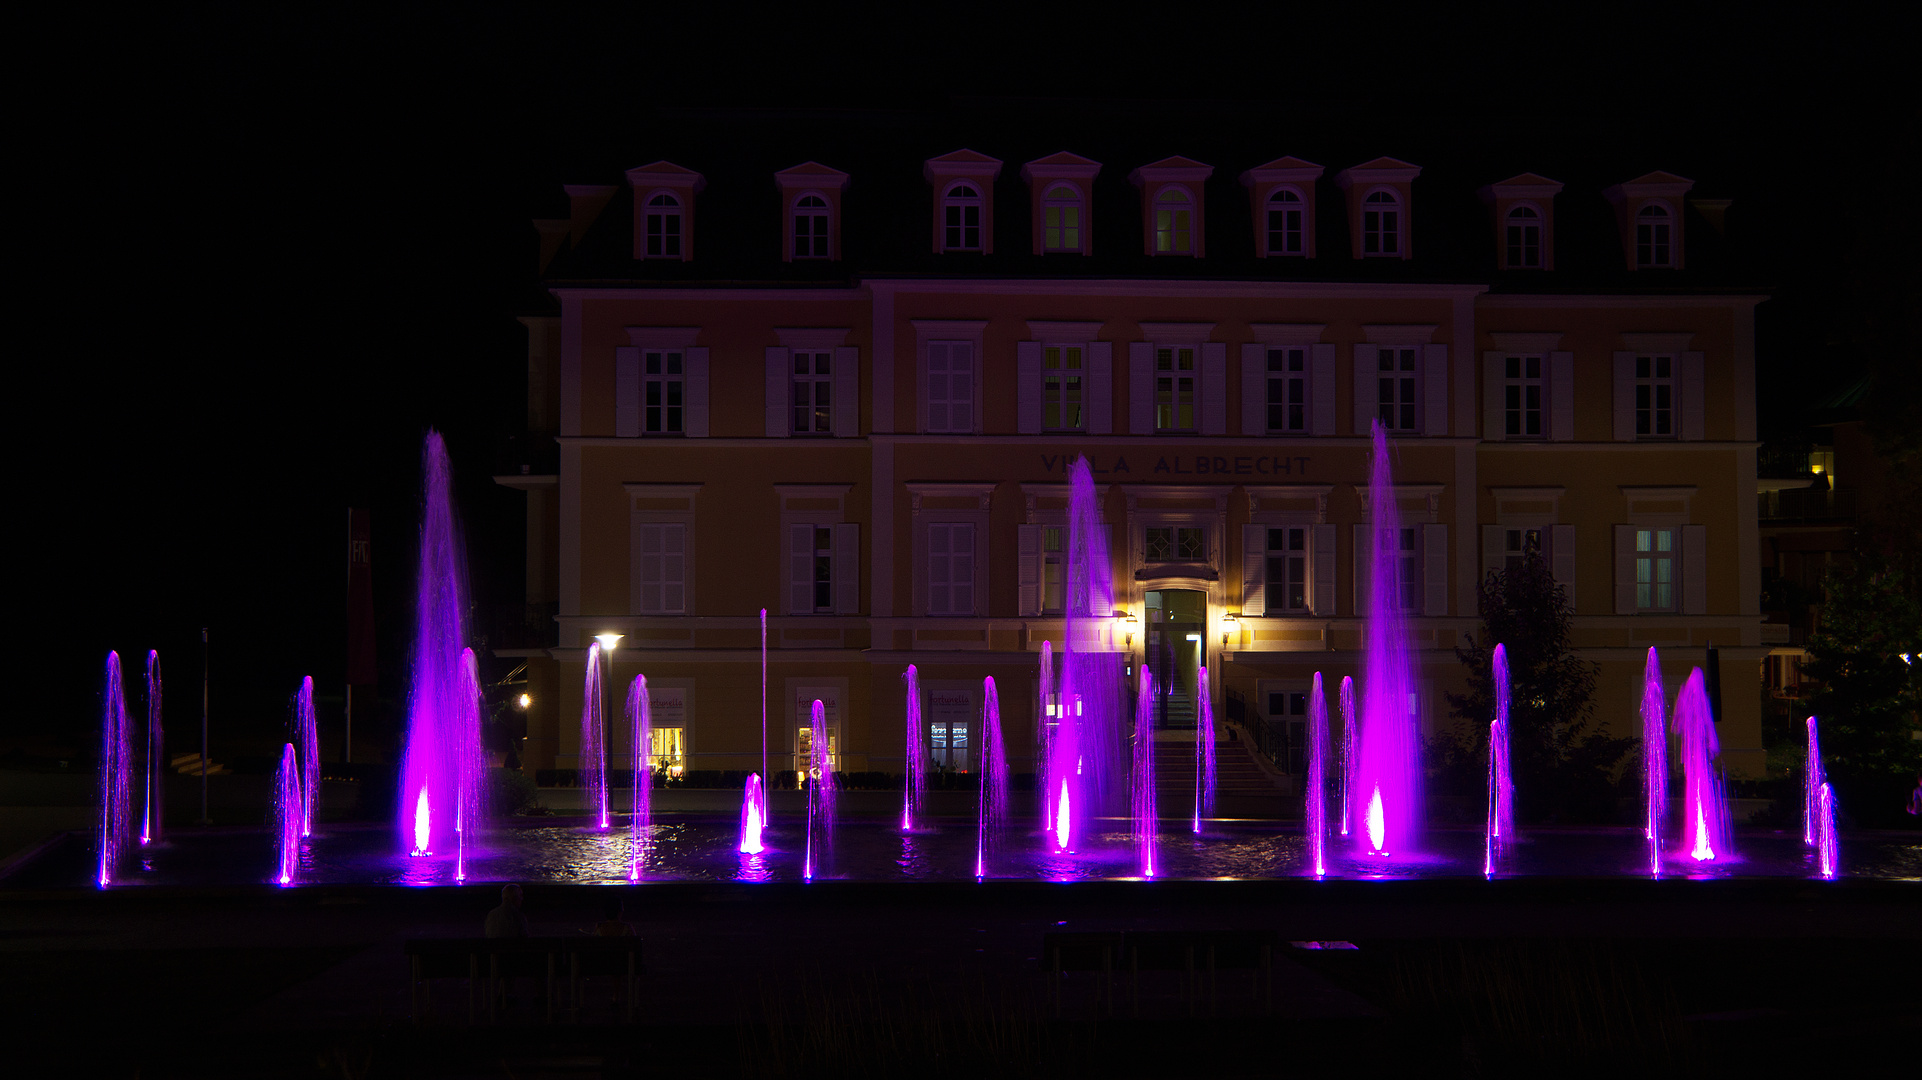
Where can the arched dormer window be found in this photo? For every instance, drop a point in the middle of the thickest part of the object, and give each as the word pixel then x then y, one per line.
pixel 1381 224
pixel 1174 214
pixel 663 226
pixel 1061 218
pixel 1524 237
pixel 811 227
pixel 1652 231
pixel 961 218
pixel 1285 209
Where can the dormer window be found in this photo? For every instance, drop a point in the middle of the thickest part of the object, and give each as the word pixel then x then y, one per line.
pixel 962 186
pixel 1381 224
pixel 1652 233
pixel 1173 220
pixel 1281 202
pixel 1061 219
pixel 1647 210
pixel 1061 215
pixel 1174 216
pixel 1284 222
pixel 663 227
pixel 811 227
pixel 961 218
pixel 811 194
pixel 1524 236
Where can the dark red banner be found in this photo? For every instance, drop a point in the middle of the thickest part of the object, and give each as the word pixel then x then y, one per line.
pixel 360 599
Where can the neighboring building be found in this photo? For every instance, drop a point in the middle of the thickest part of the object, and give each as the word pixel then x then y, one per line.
pixel 823 414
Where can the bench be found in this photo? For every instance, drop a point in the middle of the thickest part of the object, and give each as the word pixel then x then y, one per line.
pixel 491 961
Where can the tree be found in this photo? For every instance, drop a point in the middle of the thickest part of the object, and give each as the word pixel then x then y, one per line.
pixel 1562 770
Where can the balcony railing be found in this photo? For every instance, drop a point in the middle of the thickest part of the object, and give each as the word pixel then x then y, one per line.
pixel 1806 504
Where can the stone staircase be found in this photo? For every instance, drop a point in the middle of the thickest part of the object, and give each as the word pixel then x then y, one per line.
pixel 1236 771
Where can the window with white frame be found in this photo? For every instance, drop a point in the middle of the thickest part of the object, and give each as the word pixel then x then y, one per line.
pixel 1288 389
pixel 950 386
pixel 1175 543
pixel 664 227
pixel 810 227
pixel 813 387
pixel 1175 377
pixel 1173 220
pixel 950 568
pixel 1655 569
pixel 1522 396
pixel 1655 397
pixel 961 218
pixel 1396 404
pixel 1652 236
pixel 816 556
pixel 1054 570
pixel 1288 720
pixel 1285 223
pixel 1287 587
pixel 1524 237
pixel 1407 559
pixel 1063 389
pixel 662 391
pixel 660 563
pixel 1381 224
pixel 1516 546
pixel 1061 218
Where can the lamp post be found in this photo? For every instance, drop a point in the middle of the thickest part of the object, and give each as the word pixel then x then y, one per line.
pixel 608 641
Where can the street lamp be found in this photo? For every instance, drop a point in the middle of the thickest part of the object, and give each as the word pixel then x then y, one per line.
pixel 1230 624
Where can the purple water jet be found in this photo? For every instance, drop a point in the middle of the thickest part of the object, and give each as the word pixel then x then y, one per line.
pixel 820 791
pixel 1500 827
pixel 116 775
pixel 1826 854
pixel 915 781
pixel 1142 791
pixel 593 740
pixel 1388 773
pixel 308 754
pixel 1085 755
pixel 753 815
pixel 1705 832
pixel 641 734
pixel 1812 781
pixel 992 807
pixel 1204 754
pixel 764 710
pixel 1347 752
pixel 156 769
pixel 1654 760
pixel 1315 795
pixel 1044 727
pixel 289 811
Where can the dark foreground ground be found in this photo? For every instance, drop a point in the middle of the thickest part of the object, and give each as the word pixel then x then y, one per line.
pixel 1449 978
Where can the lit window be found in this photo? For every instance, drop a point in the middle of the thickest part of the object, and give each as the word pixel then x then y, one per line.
pixel 1524 238
pixel 1522 396
pixel 1061 219
pixel 1381 224
pixel 662 388
pixel 1655 569
pixel 810 227
pixel 1174 389
pixel 813 387
pixel 1652 236
pixel 667 750
pixel 1395 389
pixel 1655 397
pixel 1062 389
pixel 1172 222
pixel 1287 390
pixel 961 219
pixel 664 227
pixel 1287 579
pixel 1284 223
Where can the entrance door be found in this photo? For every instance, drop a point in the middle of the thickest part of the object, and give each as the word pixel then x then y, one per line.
pixel 1177 619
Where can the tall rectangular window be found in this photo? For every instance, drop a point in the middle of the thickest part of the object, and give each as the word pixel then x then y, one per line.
pixel 664 227
pixel 951 568
pixel 813 387
pixel 1053 568
pixel 1287 389
pixel 823 568
pixel 811 227
pixel 662 389
pixel 1655 396
pixel 1407 560
pixel 662 569
pixel 1655 569
pixel 1176 544
pixel 1287 579
pixel 1062 389
pixel 1288 720
pixel 1284 223
pixel 1516 544
pixel 1175 389
pixel 1522 396
pixel 951 386
pixel 1395 399
pixel 1061 218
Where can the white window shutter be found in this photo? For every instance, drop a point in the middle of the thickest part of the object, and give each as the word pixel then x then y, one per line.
pixel 1434 576
pixel 1494 404
pixel 1625 399
pixel 962 568
pixel 847 569
pixel 1561 556
pixel 1694 569
pixel 934 388
pixel 1434 390
pixel 1367 371
pixel 1321 388
pixel 1141 388
pixel 1027 365
pixel 778 380
pixel 1028 568
pixel 1364 566
pixel 1694 411
pixel 644 595
pixel 674 569
pixel 847 392
pixel 627 392
pixel 800 573
pixel 961 386
pixel 1254 389
pixel 1254 564
pixel 1322 552
pixel 1214 388
pixel 1494 550
pixel 939 591
pixel 1098 391
pixel 1561 396
pixel 1625 570
pixel 696 367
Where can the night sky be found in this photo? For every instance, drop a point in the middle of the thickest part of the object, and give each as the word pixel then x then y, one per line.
pixel 273 248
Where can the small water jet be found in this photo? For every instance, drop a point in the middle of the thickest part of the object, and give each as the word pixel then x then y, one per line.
pixel 1347 752
pixel 1044 727
pixel 593 740
pixel 764 709
pixel 1142 802
pixel 1500 827
pixel 1654 760
pixel 1205 753
pixel 308 753
pixel 992 807
pixel 820 791
pixel 915 782
pixel 1812 781
pixel 116 775
pixel 641 733
pixel 1705 832
pixel 1389 768
pixel 289 811
pixel 1826 854
pixel 1315 806
pixel 753 815
pixel 156 769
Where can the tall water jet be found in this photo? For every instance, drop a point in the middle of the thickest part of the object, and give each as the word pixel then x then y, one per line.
pixel 914 783
pixel 441 769
pixel 1500 827
pixel 308 754
pixel 764 709
pixel 1347 752
pixel 992 807
pixel 156 768
pixel 116 775
pixel 753 815
pixel 820 784
pixel 1388 772
pixel 1142 791
pixel 1812 781
pixel 1085 762
pixel 1826 853
pixel 1705 832
pixel 1044 727
pixel 1314 813
pixel 1654 760
pixel 289 812
pixel 641 734
pixel 593 740
pixel 1204 754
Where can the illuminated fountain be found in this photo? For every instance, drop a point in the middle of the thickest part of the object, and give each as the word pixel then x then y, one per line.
pixel 1826 853
pixel 156 768
pixel 1141 802
pixel 1812 780
pixel 753 815
pixel 290 810
pixel 1500 828
pixel 1314 816
pixel 1388 772
pixel 763 790
pixel 1204 755
pixel 915 782
pixel 1044 726
pixel 441 771
pixel 1654 760
pixel 1347 750
pixel 1084 758
pixel 991 813
pixel 116 776
pixel 820 789
pixel 640 728
pixel 1705 831
pixel 308 755
pixel 593 739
